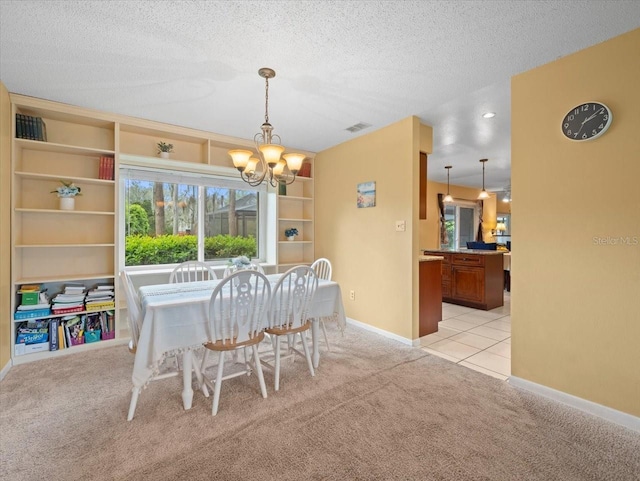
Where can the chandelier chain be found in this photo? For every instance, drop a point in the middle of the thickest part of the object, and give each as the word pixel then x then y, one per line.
pixel 266 100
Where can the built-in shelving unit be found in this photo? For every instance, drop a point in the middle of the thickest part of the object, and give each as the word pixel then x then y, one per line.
pixel 296 209
pixel 50 246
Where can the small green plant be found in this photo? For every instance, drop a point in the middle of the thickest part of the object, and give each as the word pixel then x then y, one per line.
pixel 68 189
pixel 291 232
pixel 164 147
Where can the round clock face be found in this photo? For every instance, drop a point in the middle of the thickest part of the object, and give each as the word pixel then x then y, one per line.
pixel 586 121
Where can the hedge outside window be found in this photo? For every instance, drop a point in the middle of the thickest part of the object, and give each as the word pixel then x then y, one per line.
pixel 166 214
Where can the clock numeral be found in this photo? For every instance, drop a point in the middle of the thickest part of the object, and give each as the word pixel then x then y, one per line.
pixel 566 125
pixel 568 132
pixel 584 136
pixel 601 126
pixel 601 111
pixel 585 108
pixel 570 117
pixel 593 132
pixel 576 111
pixel 605 118
pixel 575 136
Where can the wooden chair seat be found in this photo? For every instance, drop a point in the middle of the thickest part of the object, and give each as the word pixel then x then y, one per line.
pixel 230 345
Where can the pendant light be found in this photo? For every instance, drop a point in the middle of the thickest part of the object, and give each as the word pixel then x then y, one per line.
pixel 483 193
pixel 447 198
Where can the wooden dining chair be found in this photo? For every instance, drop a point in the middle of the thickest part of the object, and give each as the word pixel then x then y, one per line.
pixel 238 312
pixel 192 271
pixel 134 319
pixel 290 314
pixel 322 268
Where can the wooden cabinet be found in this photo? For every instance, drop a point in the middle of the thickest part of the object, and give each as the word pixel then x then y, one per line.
pixel 295 210
pixel 430 286
pixel 472 279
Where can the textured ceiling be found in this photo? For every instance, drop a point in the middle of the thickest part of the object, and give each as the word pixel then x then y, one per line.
pixel 338 63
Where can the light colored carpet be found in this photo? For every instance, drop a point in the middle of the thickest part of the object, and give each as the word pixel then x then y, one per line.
pixel 376 410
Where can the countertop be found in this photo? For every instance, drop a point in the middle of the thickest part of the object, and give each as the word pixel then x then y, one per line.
pixel 423 258
pixel 465 251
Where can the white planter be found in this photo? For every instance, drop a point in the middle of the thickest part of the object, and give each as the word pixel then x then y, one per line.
pixel 164 155
pixel 67 203
pixel 291 237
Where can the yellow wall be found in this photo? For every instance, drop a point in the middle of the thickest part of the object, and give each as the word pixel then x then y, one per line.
pixel 430 228
pixel 5 222
pixel 367 253
pixel 575 302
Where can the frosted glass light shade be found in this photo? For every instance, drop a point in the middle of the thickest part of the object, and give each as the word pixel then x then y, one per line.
pixel 240 158
pixel 271 153
pixel 294 161
pixel 251 166
pixel 483 195
pixel 447 198
pixel 279 168
pixel 501 227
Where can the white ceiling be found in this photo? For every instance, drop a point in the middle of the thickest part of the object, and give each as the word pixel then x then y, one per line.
pixel 338 63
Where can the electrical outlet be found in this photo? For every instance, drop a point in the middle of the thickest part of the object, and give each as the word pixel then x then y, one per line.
pixel 400 226
pixel 352 295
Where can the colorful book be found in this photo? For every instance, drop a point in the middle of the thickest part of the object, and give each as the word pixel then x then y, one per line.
pixel 53 334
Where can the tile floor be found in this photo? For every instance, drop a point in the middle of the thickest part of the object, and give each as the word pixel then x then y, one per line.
pixel 479 340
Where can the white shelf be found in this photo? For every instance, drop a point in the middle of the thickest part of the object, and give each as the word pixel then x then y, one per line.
pixel 291 219
pixel 36 280
pixel 48 246
pixel 66 212
pixel 53 316
pixel 83 180
pixel 60 148
pixel 36 356
pixel 295 242
pixel 294 197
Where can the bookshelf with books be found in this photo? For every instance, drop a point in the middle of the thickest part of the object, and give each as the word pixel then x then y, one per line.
pixel 295 210
pixel 51 244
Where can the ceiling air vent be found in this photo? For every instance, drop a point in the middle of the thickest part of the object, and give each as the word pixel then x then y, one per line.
pixel 358 127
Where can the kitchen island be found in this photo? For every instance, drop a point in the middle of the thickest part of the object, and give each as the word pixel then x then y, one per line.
pixel 472 278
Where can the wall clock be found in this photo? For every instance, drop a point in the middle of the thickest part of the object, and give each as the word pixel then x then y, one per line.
pixel 587 121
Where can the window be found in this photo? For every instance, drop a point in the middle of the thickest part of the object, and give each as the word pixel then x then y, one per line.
pixel 172 217
pixel 461 221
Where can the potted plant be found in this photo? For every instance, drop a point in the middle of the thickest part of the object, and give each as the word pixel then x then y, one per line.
pixel 67 194
pixel 291 233
pixel 164 149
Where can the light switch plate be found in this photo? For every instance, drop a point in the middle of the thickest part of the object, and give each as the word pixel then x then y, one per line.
pixel 400 226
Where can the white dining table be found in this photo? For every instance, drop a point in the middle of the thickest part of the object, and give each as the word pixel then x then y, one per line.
pixel 175 322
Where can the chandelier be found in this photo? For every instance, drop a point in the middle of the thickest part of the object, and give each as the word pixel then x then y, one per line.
pixel 269 163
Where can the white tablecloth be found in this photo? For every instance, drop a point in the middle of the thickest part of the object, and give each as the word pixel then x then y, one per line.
pixel 175 319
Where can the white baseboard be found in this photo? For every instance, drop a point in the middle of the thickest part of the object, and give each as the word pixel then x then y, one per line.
pixel 382 332
pixel 618 417
pixel 5 369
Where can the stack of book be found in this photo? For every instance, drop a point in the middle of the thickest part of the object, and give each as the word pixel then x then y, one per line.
pixel 71 300
pixel 32 128
pixel 34 302
pixel 106 168
pixel 100 298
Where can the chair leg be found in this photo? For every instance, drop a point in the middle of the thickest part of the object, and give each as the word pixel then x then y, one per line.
pixel 216 390
pixel 256 359
pixel 199 377
pixel 307 355
pixel 134 400
pixel 204 360
pixel 324 330
pixel 277 364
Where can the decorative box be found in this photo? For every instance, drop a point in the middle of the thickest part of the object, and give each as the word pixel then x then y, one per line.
pixel 92 336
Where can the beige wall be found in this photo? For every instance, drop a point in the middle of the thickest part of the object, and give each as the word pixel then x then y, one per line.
pixel 5 222
pixel 430 228
pixel 367 253
pixel 575 301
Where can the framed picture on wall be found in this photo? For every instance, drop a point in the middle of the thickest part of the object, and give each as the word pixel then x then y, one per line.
pixel 366 195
